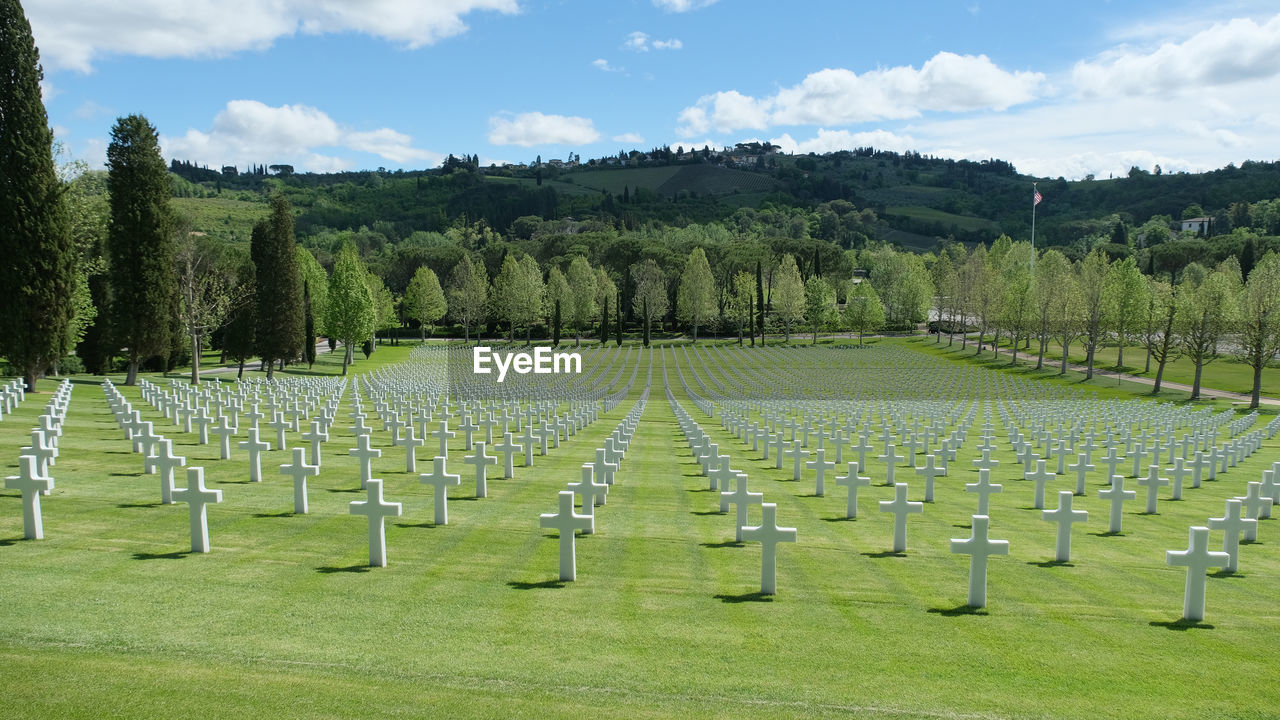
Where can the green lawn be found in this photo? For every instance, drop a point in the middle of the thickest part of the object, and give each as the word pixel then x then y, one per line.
pixel 964 222
pixel 230 220
pixel 110 617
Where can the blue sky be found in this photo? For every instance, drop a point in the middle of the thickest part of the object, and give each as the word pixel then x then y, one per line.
pixel 1056 88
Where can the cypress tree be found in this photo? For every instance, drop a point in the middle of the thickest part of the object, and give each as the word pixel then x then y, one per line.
pixel 140 243
pixel 309 323
pixel 237 339
pixel 604 323
pixel 280 330
pixel 618 320
pixel 37 273
pixel 555 325
pixel 760 301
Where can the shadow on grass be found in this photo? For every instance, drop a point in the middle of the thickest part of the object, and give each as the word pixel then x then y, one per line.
pixel 958 611
pixel 234 482
pixel 884 554
pixel 701 489
pixel 725 544
pixel 1181 625
pixel 706 512
pixel 544 585
pixel 284 514
pixel 6 542
pixel 1051 563
pixel 175 555
pixel 1107 534
pixel 125 475
pixel 840 519
pixel 697 474
pixel 346 490
pixel 1227 574
pixel 745 597
pixel 127 506
pixel 417 525
pixel 963 526
pixel 330 569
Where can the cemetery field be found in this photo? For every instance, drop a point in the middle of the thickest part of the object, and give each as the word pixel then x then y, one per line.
pixel 110 615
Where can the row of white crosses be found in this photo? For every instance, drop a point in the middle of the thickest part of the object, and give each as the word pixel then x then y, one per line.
pixel 12 393
pixel 718 469
pixel 597 477
pixel 34 478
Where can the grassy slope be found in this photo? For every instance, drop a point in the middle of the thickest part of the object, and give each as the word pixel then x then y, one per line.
pixel 108 617
pixel 230 220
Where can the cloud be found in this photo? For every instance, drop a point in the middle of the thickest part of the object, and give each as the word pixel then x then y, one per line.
pixel 633 138
pixel 1223 54
pixel 680 6
pixel 834 140
pixel 248 131
pixel 90 110
pixel 535 128
pixel 946 82
pixel 639 42
pixel 604 65
pixel 72 34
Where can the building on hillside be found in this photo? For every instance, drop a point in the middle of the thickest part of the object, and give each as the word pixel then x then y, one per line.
pixel 1199 226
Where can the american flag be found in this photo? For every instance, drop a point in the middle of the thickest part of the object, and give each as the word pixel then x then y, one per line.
pixel 1036 198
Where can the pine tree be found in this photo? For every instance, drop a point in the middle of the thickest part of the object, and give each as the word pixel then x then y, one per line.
pixel 38 270
pixel 309 325
pixel 281 319
pixel 140 243
pixel 618 320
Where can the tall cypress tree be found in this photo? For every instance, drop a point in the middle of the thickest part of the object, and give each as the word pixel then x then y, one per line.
pixel 279 334
pixel 37 259
pixel 760 301
pixel 618 320
pixel 309 328
pixel 140 243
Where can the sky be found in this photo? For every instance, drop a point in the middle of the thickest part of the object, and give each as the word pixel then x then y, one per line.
pixel 1057 89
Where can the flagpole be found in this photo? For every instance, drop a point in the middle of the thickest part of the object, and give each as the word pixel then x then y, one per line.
pixel 1033 227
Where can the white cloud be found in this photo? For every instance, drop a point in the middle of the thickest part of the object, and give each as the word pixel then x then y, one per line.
pixel 73 33
pixel 248 131
pixel 639 42
pixel 604 65
pixel 633 138
pixel 679 6
pixel 535 128
pixel 48 91
pixel 1225 53
pixel 834 140
pixel 90 110
pixel 946 82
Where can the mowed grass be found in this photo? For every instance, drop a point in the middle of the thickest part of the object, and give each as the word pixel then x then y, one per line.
pixel 111 617
pixel 928 214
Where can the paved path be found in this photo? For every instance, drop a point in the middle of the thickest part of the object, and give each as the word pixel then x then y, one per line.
pixel 1142 380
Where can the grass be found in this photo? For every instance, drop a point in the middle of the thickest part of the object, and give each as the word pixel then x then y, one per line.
pixel 109 616
pixel 963 222
pixel 230 220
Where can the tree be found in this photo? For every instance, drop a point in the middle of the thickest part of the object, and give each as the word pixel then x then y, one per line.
pixel 38 272
pixel 1124 292
pixel 469 295
pixel 1260 319
pixel 314 277
pixel 582 287
pixel 606 294
pixel 696 296
pixel 424 299
pixel 535 292
pixel 1052 272
pixel 508 295
pixel 819 305
pixel 207 292
pixel 863 311
pixel 272 246
pixel 140 242
pixel 351 313
pixel 1017 305
pixel 1091 281
pixel 788 294
pixel 650 296
pixel 90 216
pixel 1160 339
pixel 238 338
pixel 309 326
pixel 384 308
pixel 1068 318
pixel 982 292
pixel 760 302
pixel 558 295
pixel 741 303
pixel 943 274
pixel 1204 313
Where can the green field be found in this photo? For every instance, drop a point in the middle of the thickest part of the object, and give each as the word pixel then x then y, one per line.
pixel 230 220
pixel 109 616
pixel 675 179
pixel 964 222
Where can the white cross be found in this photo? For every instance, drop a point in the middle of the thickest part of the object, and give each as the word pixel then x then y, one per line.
pixel 299 470
pixel 365 454
pixel 986 462
pixel 779 441
pixel 930 471
pixel 508 449
pixel 164 462
pixel 316 437
pixel 1180 472
pixel 224 431
pixel 820 464
pixel 198 498
pixel 720 476
pixel 468 428
pixel 203 420
pixel 901 508
pixel 853 481
pixel 891 459
pixel 1039 476
pixel 1197 558
pixel 979 547
pixel 527 439
pixel 1152 482
pixel 604 469
pixel 985 489
pixel 255 447
pixel 1065 517
pixel 742 501
pixel 1232 523
pixel 377 510
pixel 566 521
pixel 280 425
pixel 592 492
pixel 768 534
pixel 31 483
pixel 443 433
pixel 411 444
pixel 1117 495
pixel 440 479
pixel 1256 506
pixel 480 461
